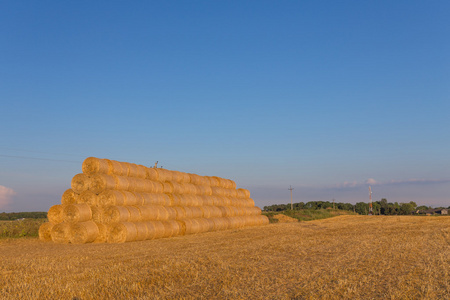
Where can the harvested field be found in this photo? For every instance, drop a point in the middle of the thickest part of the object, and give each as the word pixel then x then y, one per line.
pixel 346 257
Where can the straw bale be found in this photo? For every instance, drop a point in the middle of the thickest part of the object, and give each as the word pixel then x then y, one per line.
pixel 60 233
pixel 207 200
pixel 139 198
pixel 45 231
pixel 232 193
pixel 153 199
pixel 83 232
pixel 97 214
pixel 125 169
pixel 226 212
pixel 192 226
pixel 163 214
pixel 180 212
pixel 164 175
pixel 176 176
pixel 111 197
pixel 148 212
pixel 167 187
pixel 152 174
pixel 102 233
pixel 197 212
pixel 206 211
pixel 185 177
pixel 74 213
pixel 141 171
pixel 182 227
pixel 117 169
pixel 151 230
pixel 217 201
pixel 218 191
pixel 253 211
pixel 80 183
pixel 171 228
pixel 159 229
pixel 210 224
pixel 198 200
pixel 177 200
pixel 172 212
pixel 158 187
pixel 177 188
pixel 69 197
pixel 112 214
pixel 226 201
pixel 121 232
pixel 129 198
pixel 55 214
pixel 121 182
pixel 92 165
pixel 132 170
pixel 142 231
pixel 167 199
pixel 213 181
pixel 189 188
pixel 198 180
pixel 215 211
pixel 204 190
pixel 188 212
pixel 143 185
pixel 88 197
pixel 135 214
pixel 243 193
pixel 203 224
pixel 101 182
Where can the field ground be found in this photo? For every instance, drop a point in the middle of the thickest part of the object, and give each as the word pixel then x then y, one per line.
pixel 346 257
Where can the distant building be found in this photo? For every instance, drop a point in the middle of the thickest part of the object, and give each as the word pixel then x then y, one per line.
pixel 436 211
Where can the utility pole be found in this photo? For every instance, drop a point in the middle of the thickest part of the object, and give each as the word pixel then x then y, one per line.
pixel 290 189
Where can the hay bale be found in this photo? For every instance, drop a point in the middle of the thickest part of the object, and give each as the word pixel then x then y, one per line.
pixel 121 183
pixel 60 233
pixel 132 170
pixel 80 183
pixel 102 233
pixel 171 211
pixel 129 198
pixel 213 181
pixel 197 212
pixel 182 227
pixel 141 230
pixel 83 232
pixel 121 232
pixel 115 214
pixel 159 229
pixel 154 199
pixel 177 188
pixel 125 169
pixel 93 165
pixel 189 188
pixel 148 213
pixel 215 212
pixel 158 187
pixel 139 198
pixel 167 199
pixel 167 188
pixel 74 213
pixel 207 200
pixel 171 228
pixel 141 172
pixel 97 214
pixel 55 214
pixel 101 182
pixel 116 168
pixel 111 197
pixel 243 193
pixel 197 179
pixel 164 175
pixel 135 214
pixel 88 197
pixel 205 211
pixel 163 214
pixel 45 231
pixel 152 174
pixel 192 226
pixel 69 197
pixel 188 212
pixel 180 212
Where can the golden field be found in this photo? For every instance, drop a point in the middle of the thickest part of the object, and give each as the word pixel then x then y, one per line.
pixel 346 257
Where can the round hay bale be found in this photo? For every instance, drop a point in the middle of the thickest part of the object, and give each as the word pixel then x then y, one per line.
pixel 167 199
pixel 243 193
pixel 197 179
pixel 133 170
pixel 117 169
pixel 139 198
pixel 164 175
pixel 125 169
pixel 177 188
pixel 176 200
pixel 143 185
pixel 158 187
pixel 225 211
pixel 148 213
pixel 88 197
pixel 189 188
pixel 129 198
pixel 182 227
pixel 180 212
pixel 113 214
pixel 69 197
pixel 253 211
pixel 101 182
pixel 176 176
pixel 192 226
pixel 250 202
pixel 121 182
pixel 210 224
pixel 74 213
pixel 215 212
pixel 111 197
pixel 80 183
pixel 151 230
pixel 159 229
pixel 188 212
pixel 55 214
pixel 97 214
pixel 198 200
pixel 83 232
pixel 163 214
pixel 142 231
pixel 226 201
pixel 60 233
pixel 197 212
pixel 205 225
pixel 45 231
pixel 185 177
pixel 213 181
pixel 217 201
pixel 141 172
pixel 170 228
pixel 206 212
pixel 135 214
pixel 152 174
pixel 167 188
pixel 217 191
pixel 121 232
pixel 207 200
pixel 102 233
pixel 172 212
pixel 93 165
pixel 153 199
pixel 232 193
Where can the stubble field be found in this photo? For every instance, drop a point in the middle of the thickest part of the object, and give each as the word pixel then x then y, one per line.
pixel 346 257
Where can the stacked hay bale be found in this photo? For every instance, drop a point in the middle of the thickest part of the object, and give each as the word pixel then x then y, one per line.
pixel 118 202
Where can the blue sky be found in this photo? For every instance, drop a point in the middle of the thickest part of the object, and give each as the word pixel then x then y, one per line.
pixel 326 96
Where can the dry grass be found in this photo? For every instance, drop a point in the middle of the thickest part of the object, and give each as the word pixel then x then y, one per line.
pixel 347 257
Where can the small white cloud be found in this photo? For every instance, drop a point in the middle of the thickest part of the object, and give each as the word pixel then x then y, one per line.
pixel 371 181
pixel 5 195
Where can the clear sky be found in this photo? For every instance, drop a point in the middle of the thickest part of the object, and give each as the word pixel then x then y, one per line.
pixel 326 96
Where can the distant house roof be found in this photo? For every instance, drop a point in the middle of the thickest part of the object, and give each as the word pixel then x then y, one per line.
pixel 442 211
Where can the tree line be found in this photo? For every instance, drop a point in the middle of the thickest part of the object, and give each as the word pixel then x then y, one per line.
pixel 382 207
pixel 22 215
